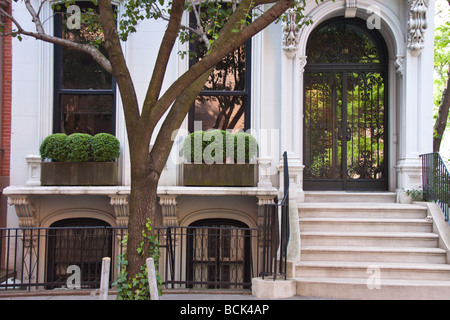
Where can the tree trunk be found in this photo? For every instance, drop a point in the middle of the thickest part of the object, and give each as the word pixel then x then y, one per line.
pixel 143 199
pixel 441 121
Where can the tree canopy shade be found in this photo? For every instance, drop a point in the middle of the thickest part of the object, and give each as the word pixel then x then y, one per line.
pixel 222 30
pixel 442 72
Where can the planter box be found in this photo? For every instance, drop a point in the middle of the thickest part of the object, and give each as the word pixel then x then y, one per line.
pixel 79 174
pixel 220 175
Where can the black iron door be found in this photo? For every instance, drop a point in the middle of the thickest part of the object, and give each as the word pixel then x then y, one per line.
pixel 345 119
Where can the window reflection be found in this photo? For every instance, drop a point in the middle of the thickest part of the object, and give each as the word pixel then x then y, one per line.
pixel 84 91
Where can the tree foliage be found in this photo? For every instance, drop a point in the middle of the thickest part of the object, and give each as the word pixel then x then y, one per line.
pixel 442 72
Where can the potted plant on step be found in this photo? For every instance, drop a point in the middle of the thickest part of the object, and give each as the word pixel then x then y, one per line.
pixel 218 158
pixel 79 160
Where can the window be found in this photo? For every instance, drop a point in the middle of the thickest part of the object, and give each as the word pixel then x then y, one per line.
pixel 224 102
pixel 84 92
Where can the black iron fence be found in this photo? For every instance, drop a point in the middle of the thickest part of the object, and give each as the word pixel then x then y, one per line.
pixel 436 181
pixel 71 257
pixel 208 257
pixel 49 258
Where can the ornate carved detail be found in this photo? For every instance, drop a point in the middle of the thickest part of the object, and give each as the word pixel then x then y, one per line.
pixel 302 64
pixel 291 32
pixel 343 42
pixel 417 24
pixel 400 65
pixel 169 210
pixel 25 210
pixel 121 212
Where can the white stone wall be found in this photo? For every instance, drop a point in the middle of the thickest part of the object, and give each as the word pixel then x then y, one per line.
pixel 276 93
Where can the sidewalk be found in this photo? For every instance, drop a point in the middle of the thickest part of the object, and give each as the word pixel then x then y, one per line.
pixel 93 295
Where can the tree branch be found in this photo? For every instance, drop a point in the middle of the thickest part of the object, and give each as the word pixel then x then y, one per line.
pixel 35 17
pixel 221 49
pixel 187 87
pixel 91 50
pixel 119 68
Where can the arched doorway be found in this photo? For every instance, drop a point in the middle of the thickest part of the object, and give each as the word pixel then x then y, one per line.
pixel 80 244
pixel 345 108
pixel 219 254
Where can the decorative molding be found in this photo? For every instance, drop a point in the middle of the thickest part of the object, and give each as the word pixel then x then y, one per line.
pixel 169 210
pixel 417 24
pixel 264 166
pixel 121 209
pixel 302 64
pixel 290 33
pixel 400 65
pixel 34 170
pixel 351 6
pixel 25 210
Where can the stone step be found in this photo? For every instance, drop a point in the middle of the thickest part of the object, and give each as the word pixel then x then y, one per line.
pixel 365 289
pixel 380 254
pixel 342 196
pixel 352 210
pixel 392 239
pixel 385 270
pixel 365 224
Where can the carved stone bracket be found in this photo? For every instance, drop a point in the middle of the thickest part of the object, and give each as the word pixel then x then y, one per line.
pixel 417 24
pixel 121 211
pixel 169 210
pixel 302 64
pixel 25 210
pixel 290 33
pixel 400 65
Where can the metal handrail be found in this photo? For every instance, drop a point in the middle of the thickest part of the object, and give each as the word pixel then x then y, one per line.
pixel 436 182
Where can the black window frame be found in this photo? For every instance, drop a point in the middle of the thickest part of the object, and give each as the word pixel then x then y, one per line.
pixel 217 93
pixel 59 91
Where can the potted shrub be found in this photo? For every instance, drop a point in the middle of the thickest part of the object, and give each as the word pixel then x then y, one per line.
pixel 219 158
pixel 79 160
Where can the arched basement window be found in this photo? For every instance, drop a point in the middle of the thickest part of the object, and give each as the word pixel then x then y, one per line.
pixel 219 254
pixel 79 242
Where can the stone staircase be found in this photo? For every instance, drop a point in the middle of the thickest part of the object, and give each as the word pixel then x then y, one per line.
pixel 367 246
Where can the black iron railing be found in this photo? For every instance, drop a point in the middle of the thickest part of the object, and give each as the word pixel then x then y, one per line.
pixel 208 257
pixel 275 236
pixel 191 257
pixel 49 258
pixel 436 181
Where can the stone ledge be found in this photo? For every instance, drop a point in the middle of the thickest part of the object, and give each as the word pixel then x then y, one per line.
pixel 124 190
pixel 269 289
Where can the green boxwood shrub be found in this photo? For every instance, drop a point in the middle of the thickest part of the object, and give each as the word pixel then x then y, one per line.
pixel 201 146
pixel 105 147
pixel 54 147
pixel 245 147
pixel 215 150
pixel 80 147
pixel 193 147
